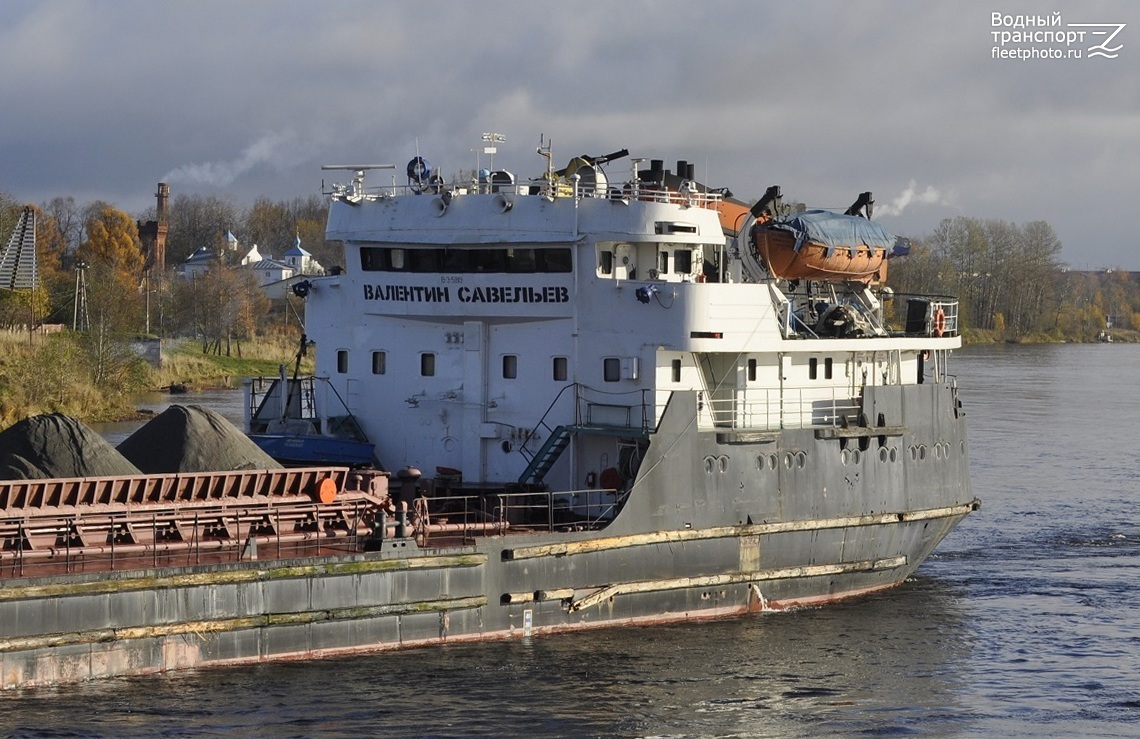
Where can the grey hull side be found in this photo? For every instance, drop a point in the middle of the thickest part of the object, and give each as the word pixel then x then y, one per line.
pixel 717 524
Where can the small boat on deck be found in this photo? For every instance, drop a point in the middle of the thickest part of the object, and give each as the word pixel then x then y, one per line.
pixel 291 420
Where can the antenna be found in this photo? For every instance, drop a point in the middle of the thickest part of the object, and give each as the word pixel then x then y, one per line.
pixel 490 149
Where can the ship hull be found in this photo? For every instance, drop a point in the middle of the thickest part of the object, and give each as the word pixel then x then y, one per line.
pixel 717 525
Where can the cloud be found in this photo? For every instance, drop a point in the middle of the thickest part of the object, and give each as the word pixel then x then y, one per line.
pixel 278 150
pixel 911 195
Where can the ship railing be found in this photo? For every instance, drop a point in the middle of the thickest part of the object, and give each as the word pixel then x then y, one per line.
pixel 924 315
pixel 561 510
pixel 690 196
pixel 442 519
pixel 632 410
pixel 761 409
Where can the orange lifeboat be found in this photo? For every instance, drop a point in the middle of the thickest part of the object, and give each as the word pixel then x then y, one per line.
pixel 820 245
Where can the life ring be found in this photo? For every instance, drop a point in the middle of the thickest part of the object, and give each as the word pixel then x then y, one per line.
pixel 939 322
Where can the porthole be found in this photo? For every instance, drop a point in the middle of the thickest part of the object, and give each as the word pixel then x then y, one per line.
pixel 710 464
pixel 894 454
pixel 722 464
pixel 882 454
pixel 856 455
pixel 801 459
pixel 922 451
pixel 788 460
pixel 845 456
pixel 772 462
pixel 760 462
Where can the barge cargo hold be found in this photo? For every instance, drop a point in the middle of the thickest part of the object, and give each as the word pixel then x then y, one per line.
pixel 599 408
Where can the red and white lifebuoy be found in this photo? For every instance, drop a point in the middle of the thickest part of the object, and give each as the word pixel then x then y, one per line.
pixel 939 322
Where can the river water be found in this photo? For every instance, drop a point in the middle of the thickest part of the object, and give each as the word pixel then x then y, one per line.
pixel 1023 623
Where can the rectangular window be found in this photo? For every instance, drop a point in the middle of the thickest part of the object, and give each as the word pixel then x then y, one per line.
pixel 510 366
pixel 560 369
pixel 554 260
pixel 752 370
pixel 813 369
pixel 379 363
pixel 663 257
pixel 827 368
pixel 606 262
pixel 683 261
pixel 520 260
pixel 676 370
pixel 427 364
pixel 424 260
pixel 467 260
pixel 342 361
pixel 611 369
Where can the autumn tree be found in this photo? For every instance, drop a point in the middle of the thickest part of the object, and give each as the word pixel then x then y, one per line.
pixel 222 307
pixel 1005 275
pixel 113 241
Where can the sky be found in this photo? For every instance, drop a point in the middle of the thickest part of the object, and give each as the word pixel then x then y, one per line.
pixel 910 100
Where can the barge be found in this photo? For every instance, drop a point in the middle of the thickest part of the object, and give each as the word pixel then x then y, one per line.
pixel 592 402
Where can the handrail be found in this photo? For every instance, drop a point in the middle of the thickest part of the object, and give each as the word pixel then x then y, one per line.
pixel 769 409
pixel 647 422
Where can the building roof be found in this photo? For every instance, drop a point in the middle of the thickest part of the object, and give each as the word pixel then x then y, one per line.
pixel 202 256
pixel 268 264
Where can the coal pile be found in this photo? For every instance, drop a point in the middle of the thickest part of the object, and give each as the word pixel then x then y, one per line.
pixel 189 438
pixel 54 445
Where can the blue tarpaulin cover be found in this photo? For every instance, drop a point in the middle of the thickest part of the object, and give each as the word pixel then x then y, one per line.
pixel 834 230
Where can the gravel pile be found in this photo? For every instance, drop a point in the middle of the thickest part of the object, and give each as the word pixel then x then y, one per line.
pixel 55 445
pixel 189 438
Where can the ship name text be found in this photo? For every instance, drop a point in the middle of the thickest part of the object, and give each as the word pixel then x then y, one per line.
pixel 465 294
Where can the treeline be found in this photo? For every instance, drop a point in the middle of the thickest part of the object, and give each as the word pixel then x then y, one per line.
pixel 94 279
pixel 1010 282
pixel 116 293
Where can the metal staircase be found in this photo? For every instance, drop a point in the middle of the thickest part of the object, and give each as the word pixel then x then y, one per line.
pixel 560 438
pixel 548 454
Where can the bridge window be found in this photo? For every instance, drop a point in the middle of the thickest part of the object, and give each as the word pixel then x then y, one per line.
pixel 813 368
pixel 827 368
pixel 683 261
pixel 510 366
pixel 611 369
pixel 752 370
pixel 342 361
pixel 427 364
pixel 379 363
pixel 560 369
pixel 521 260
pixel 467 260
pixel 676 370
